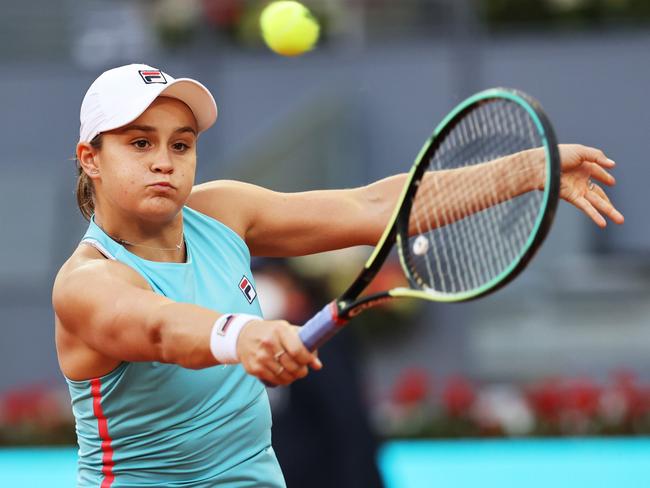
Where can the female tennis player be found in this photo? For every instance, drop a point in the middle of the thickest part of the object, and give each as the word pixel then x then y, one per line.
pixel 158 326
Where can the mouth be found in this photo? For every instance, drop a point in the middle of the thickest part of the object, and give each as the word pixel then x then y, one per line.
pixel 163 186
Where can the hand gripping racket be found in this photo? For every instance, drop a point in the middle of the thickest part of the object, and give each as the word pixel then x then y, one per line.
pixel 476 206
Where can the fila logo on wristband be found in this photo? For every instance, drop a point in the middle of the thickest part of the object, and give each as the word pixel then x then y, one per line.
pixel 223 324
pixel 152 76
pixel 247 289
pixel 224 336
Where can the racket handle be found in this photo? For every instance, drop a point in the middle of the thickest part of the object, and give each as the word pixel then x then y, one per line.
pixel 321 327
pixel 318 330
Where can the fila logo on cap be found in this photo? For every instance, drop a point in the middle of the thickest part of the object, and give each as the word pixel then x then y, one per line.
pixel 247 289
pixel 153 76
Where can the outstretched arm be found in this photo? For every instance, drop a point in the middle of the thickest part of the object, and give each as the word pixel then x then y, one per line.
pixel 458 193
pixel 294 224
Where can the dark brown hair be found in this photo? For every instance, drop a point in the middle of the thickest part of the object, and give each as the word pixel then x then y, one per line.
pixel 85 188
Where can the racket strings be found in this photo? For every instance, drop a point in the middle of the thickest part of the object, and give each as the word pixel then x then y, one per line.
pixel 466 232
pixel 473 268
pixel 455 241
pixel 451 242
pixel 478 228
pixel 493 245
pixel 435 257
pixel 474 227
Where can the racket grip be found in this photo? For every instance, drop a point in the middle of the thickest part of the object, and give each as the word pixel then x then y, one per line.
pixel 321 327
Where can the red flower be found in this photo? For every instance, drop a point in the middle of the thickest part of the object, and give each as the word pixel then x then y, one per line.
pixel 458 396
pixel 546 400
pixel 582 396
pixel 637 398
pixel 411 387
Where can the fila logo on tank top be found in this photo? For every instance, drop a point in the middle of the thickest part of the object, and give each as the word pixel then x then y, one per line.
pixel 247 289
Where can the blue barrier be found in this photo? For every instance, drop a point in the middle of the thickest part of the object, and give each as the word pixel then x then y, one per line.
pixel 530 463
pixel 533 463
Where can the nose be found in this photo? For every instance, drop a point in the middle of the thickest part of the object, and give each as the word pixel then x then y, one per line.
pixel 162 163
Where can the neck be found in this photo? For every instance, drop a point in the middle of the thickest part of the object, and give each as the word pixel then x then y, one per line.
pixel 151 240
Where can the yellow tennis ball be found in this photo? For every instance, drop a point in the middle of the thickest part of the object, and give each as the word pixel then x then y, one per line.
pixel 289 28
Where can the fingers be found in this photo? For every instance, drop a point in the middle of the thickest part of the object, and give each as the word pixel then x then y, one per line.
pixel 582 167
pixel 297 353
pixel 600 174
pixel 273 352
pixel 278 375
pixel 290 365
pixel 600 192
pixel 600 202
pixel 583 204
pixel 595 204
pixel 597 156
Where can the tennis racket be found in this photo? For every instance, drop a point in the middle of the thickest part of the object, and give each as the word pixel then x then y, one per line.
pixel 477 204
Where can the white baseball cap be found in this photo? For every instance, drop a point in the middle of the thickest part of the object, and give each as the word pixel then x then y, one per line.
pixel 120 95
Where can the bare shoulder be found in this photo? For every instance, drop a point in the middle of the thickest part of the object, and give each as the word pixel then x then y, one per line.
pixel 86 283
pixel 88 262
pixel 85 269
pixel 230 202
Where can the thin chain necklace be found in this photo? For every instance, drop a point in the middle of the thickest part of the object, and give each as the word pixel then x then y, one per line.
pixel 124 242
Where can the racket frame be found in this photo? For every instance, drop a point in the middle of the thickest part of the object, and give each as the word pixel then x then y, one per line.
pixel 542 223
pixel 336 314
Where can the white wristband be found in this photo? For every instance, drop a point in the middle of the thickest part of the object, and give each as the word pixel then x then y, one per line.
pixel 225 332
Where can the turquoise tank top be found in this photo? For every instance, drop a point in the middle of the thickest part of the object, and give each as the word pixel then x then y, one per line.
pixel 148 424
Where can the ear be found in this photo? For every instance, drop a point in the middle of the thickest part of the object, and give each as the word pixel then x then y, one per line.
pixel 87 157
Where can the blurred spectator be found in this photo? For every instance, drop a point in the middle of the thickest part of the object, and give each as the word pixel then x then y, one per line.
pixel 321 432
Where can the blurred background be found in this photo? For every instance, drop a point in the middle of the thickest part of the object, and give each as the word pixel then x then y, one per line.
pixel 563 352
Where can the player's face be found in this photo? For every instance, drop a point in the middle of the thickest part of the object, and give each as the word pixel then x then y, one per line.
pixel 148 166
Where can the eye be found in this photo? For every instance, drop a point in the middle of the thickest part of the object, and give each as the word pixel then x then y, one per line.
pixel 141 143
pixel 180 146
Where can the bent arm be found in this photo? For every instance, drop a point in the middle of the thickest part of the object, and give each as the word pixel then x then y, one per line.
pixel 110 308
